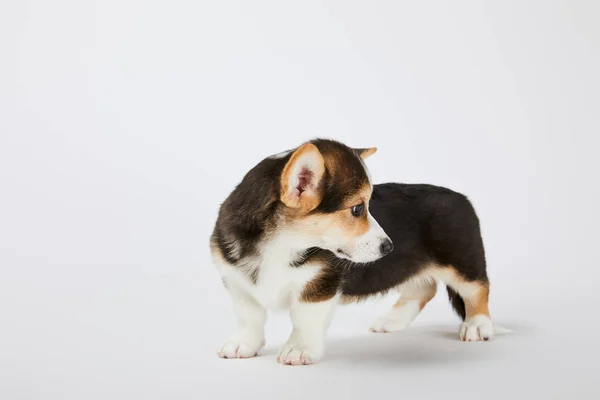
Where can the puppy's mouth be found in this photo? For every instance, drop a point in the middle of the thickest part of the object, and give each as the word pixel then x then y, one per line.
pixel 342 253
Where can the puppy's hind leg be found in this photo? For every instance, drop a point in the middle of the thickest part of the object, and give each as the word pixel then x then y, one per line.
pixel 477 324
pixel 470 301
pixel 413 298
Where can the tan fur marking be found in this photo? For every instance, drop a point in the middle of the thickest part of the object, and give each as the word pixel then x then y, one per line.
pixel 363 195
pixel 474 293
pixel 424 293
pixel 343 221
pixel 323 287
pixel 400 302
pixel 430 295
pixel 350 224
pixel 366 153
pixel 478 303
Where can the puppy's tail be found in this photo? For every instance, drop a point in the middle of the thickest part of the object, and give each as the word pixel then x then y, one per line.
pixel 457 303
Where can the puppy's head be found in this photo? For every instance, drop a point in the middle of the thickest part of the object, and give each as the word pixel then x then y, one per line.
pixel 326 189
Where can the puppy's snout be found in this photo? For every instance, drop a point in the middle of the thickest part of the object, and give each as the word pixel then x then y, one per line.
pixel 386 247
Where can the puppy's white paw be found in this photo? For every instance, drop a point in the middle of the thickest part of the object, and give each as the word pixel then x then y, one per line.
pixel 386 324
pixel 241 347
pixel 476 328
pixel 293 353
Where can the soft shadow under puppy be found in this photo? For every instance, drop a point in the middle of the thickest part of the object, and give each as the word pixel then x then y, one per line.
pixel 414 346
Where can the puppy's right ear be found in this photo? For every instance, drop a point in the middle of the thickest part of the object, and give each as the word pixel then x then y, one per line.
pixel 301 177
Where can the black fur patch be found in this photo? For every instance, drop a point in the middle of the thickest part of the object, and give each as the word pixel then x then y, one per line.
pixel 225 250
pixel 248 212
pixel 428 224
pixel 350 176
pixel 304 256
pixel 458 304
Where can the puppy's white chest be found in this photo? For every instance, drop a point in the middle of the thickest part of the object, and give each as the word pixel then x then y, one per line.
pixel 277 282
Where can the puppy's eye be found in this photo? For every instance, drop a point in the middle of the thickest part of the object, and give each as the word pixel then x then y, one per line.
pixel 358 209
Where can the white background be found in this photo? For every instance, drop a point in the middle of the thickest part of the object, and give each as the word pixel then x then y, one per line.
pixel 124 124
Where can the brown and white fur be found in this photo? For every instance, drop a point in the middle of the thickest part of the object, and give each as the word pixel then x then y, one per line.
pixel 306 230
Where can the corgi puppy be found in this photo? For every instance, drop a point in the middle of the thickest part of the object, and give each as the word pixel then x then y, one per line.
pixel 306 230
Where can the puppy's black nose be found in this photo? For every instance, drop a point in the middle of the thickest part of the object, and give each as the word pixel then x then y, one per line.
pixel 386 247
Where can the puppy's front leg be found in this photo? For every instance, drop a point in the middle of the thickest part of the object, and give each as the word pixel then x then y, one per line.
pixel 310 320
pixel 249 336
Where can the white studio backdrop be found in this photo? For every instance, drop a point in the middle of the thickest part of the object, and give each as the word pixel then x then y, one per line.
pixel 124 124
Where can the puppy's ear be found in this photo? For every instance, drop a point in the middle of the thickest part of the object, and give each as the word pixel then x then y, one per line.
pixel 301 177
pixel 365 153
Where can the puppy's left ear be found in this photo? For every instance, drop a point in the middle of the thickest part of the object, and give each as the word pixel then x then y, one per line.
pixel 301 178
pixel 366 153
